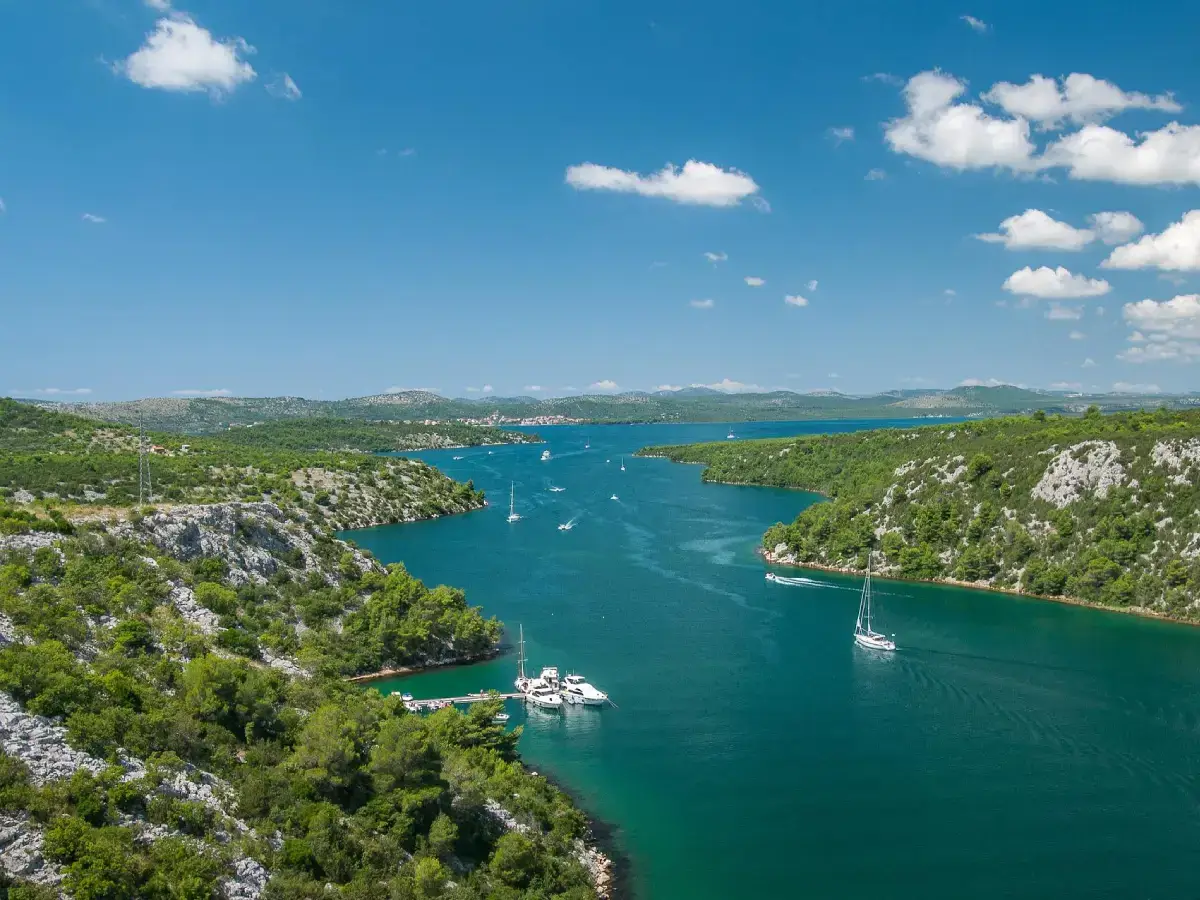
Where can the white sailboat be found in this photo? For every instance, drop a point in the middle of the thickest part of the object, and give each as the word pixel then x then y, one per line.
pixel 587 444
pixel 545 455
pixel 864 635
pixel 542 691
pixel 730 436
pixel 614 497
pixel 512 496
pixel 622 464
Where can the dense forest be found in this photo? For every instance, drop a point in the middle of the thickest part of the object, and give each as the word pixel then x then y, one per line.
pixel 176 719
pixel 369 437
pixel 1100 508
pixel 65 461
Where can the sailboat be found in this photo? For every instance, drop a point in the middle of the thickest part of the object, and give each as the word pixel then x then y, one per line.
pixel 730 436
pixel 622 464
pixel 587 444
pixel 864 635
pixel 512 496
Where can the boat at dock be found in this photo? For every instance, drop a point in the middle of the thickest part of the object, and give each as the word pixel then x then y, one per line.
pixel 541 691
pixel 577 690
pixel 501 718
pixel 864 635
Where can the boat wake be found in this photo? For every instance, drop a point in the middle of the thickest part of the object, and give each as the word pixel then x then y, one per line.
pixel 800 582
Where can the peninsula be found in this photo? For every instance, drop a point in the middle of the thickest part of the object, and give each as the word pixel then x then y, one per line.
pixel 1098 509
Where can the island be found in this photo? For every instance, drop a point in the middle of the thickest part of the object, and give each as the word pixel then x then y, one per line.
pixel 176 719
pixel 1095 509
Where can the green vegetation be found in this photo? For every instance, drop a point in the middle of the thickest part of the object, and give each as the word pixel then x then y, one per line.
pixel 689 405
pixel 1101 508
pixel 365 799
pixel 369 437
pixel 58 458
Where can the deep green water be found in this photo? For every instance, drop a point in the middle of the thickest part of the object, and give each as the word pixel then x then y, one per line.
pixel 1010 748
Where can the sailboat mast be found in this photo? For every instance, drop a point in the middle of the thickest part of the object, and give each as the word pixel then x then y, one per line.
pixel 521 654
pixel 512 496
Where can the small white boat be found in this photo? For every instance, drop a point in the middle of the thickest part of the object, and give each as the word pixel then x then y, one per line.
pixel 770 576
pixel 489 453
pixel 576 688
pixel 567 526
pixel 406 697
pixel 545 455
pixel 500 718
pixel 622 464
pixel 730 436
pixel 544 698
pixel 614 497
pixel 556 490
pixel 512 495
pixel 458 457
pixel 864 635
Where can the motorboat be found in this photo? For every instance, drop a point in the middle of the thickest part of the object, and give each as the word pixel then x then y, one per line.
pixel 406 697
pixel 501 718
pixel 576 688
pixel 556 490
pixel 614 497
pixel 544 697
pixel 545 455
pixel 456 458
pixel 567 526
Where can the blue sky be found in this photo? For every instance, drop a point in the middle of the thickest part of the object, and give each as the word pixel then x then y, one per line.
pixel 332 199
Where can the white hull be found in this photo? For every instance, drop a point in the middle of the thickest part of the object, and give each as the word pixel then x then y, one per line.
pixel 588 701
pixel 874 642
pixel 545 701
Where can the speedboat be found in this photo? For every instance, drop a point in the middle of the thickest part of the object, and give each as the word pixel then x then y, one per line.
pixel 614 497
pixel 545 697
pixel 577 688
pixel 545 455
pixel 566 526
pixel 457 457
pixel 556 490
pixel 500 718
pixel 770 576
pixel 406 697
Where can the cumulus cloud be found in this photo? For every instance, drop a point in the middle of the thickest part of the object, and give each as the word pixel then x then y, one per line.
pixel 1170 155
pixel 1078 98
pixel 1124 387
pixel 1066 386
pixel 706 303
pixel 1060 313
pixel 1177 249
pixel 203 392
pixel 284 87
pixel 669 387
pixel 754 281
pixel 795 300
pixel 956 135
pixel 812 285
pixel 1034 229
pixel 697 183
pixel 950 292
pixel 875 175
pixel 95 220
pixel 536 388
pixel 980 382
pixel 1116 227
pixel 160 5
pixel 715 258
pixel 841 134
pixel 1164 331
pixel 1077 335
pixel 884 78
pixel 977 25
pixel 731 387
pixel 605 385
pixel 1054 284
pixel 1088 363
pixel 179 55
pixel 56 392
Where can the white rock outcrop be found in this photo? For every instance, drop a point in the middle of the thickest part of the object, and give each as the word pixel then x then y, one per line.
pixel 1091 467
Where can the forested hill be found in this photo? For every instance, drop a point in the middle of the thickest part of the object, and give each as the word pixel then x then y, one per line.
pixel 1103 509
pixel 52 459
pixel 694 404
pixel 368 437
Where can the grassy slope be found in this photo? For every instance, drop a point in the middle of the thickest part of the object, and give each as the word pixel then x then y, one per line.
pixel 959 501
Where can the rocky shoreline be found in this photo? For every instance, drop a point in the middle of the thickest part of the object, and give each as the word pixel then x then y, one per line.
pixel 783 558
pixel 402 671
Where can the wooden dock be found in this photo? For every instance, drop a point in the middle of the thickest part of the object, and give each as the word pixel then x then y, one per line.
pixel 469 698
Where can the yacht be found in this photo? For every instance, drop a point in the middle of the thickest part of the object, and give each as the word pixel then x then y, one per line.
pixel 864 635
pixel 576 689
pixel 513 516
pixel 545 455
pixel 544 697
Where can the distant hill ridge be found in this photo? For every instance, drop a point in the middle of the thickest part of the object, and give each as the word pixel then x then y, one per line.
pixel 693 404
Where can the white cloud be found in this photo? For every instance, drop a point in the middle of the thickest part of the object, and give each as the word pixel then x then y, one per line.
pixel 956 135
pixel 715 258
pixel 950 292
pixel 605 385
pixel 1116 227
pixel 1078 98
pixel 1060 313
pixel 56 392
pixel 833 375
pixel 1066 386
pixel 669 387
pixel 754 281
pixel 875 175
pixel 1170 155
pixel 1099 310
pixel 1088 363
pixel 731 387
pixel 179 55
pixel 841 134
pixel 697 183
pixel 95 220
pixel 284 87
pixel 795 300
pixel 1054 284
pixel 1034 229
pixel 3 208
pixel 884 78
pixel 405 390
pixel 1165 331
pixel 535 388
pixel 1177 249
pixel 160 5
pixel 812 285
pixel 1077 335
pixel 472 390
pixel 203 392
pixel 487 388
pixel 1177 280
pixel 706 303
pixel 1124 387
pixel 977 25
pixel 979 382
pixel 760 203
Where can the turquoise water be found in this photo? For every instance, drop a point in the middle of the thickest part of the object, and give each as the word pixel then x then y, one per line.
pixel 1009 748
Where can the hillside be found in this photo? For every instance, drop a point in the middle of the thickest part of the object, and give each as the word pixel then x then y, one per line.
pixel 368 437
pixel 1102 509
pixel 64 460
pixel 212 415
